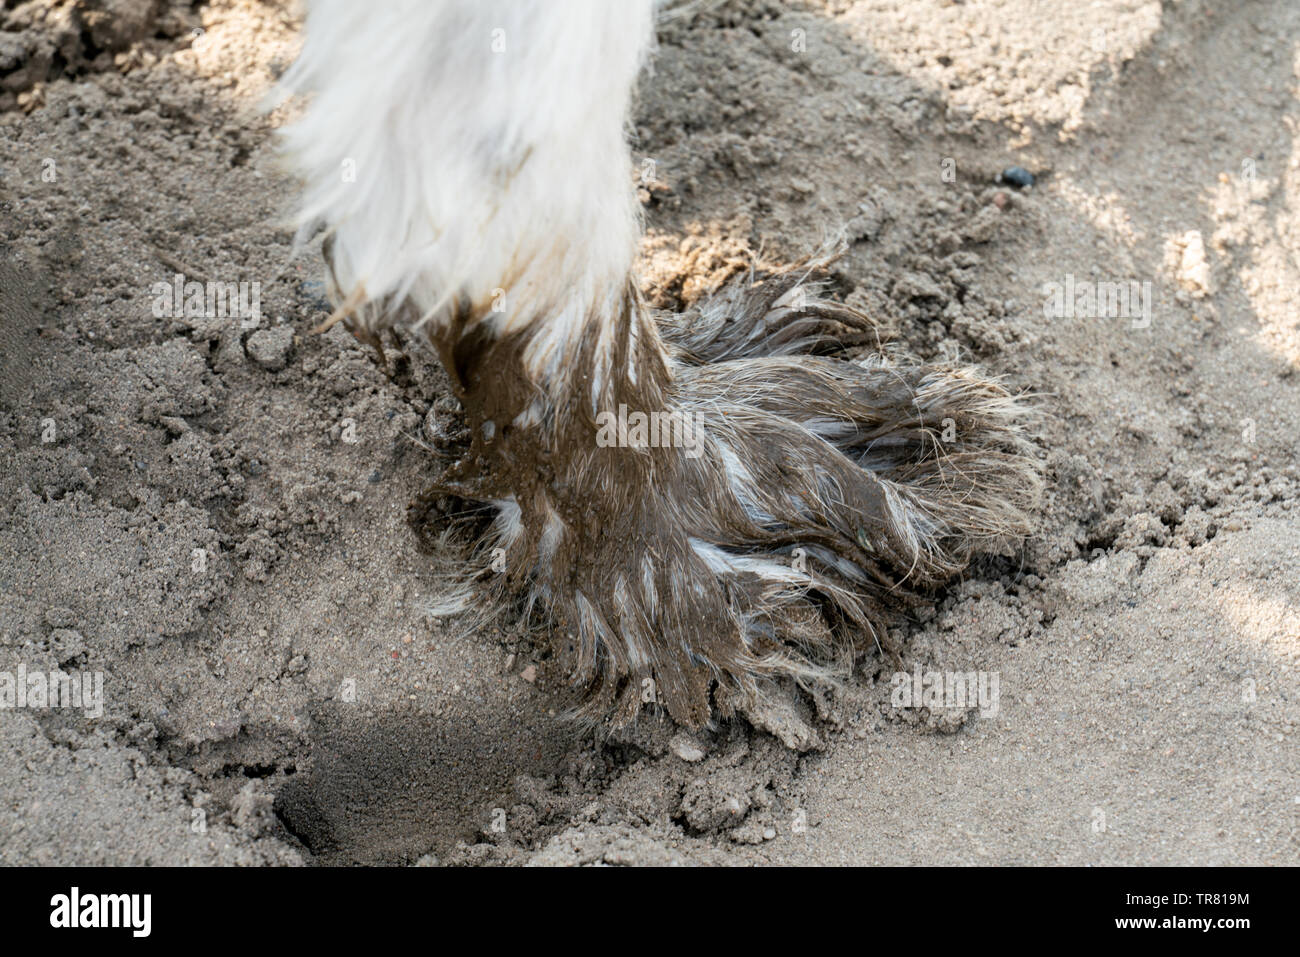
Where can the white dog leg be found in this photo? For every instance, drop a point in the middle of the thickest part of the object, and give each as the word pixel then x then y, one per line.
pixel 697 503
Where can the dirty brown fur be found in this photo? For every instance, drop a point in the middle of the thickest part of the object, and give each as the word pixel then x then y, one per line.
pixel 852 504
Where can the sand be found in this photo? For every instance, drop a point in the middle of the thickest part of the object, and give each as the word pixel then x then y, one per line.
pixel 212 514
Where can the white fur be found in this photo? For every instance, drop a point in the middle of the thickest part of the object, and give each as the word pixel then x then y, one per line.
pixel 491 166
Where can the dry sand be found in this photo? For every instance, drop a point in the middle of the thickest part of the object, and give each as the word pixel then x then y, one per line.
pixel 214 517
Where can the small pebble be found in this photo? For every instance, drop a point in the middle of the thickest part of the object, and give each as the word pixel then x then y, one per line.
pixel 686 748
pixel 269 348
pixel 1016 176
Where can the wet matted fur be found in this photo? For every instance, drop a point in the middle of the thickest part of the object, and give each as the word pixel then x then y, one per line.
pixel 697 501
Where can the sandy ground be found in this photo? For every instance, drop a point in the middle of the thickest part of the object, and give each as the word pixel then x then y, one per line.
pixel 212 515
